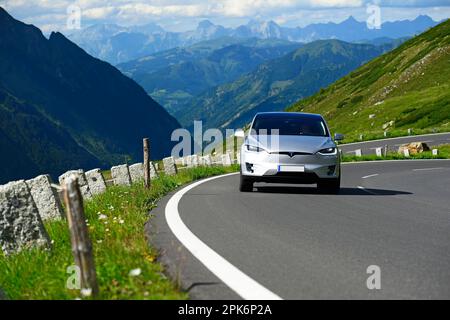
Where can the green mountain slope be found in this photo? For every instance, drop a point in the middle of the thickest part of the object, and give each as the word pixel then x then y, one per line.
pixel 30 143
pixel 62 109
pixel 175 76
pixel 408 87
pixel 277 83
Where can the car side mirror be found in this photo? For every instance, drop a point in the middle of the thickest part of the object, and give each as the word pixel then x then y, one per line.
pixel 338 137
pixel 239 133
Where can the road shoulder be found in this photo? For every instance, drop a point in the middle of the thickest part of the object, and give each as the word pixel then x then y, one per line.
pixel 180 265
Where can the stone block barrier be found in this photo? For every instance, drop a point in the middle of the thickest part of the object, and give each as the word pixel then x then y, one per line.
pixel 153 171
pixel 195 161
pixel 25 205
pixel 189 161
pixel 170 168
pixel 96 181
pixel 137 172
pixel 46 198
pixel 121 175
pixel 206 160
pixel 21 226
pixel 226 160
pixel 82 181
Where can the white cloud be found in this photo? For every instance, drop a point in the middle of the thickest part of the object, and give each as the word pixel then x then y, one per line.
pixel 336 3
pixel 186 13
pixel 99 12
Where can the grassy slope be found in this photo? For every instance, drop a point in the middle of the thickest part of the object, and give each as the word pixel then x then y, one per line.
pixel 409 85
pixel 118 248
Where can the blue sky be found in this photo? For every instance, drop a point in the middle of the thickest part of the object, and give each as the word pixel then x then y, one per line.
pixel 181 15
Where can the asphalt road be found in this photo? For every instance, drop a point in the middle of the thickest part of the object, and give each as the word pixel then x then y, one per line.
pixel 300 244
pixel 393 144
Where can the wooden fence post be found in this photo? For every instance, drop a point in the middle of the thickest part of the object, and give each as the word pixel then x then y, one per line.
pixel 235 147
pixel 79 236
pixel 147 181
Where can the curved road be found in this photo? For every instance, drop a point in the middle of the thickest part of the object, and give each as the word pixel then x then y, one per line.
pixel 300 244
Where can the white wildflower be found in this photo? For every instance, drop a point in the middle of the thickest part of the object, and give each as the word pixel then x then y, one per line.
pixel 135 272
pixel 87 292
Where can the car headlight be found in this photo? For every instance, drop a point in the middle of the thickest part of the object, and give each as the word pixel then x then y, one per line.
pixel 328 151
pixel 254 148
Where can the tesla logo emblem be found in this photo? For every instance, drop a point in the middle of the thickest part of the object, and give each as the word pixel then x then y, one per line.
pixel 291 154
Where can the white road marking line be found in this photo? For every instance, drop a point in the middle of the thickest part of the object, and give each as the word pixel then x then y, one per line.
pixel 235 279
pixel 370 176
pixel 368 191
pixel 426 169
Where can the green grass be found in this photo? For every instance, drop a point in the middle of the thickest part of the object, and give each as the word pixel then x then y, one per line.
pixel 444 153
pixel 369 135
pixel 408 87
pixel 119 245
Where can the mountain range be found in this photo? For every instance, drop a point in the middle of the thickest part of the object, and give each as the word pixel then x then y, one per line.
pixel 62 109
pixel 276 84
pixel 117 44
pixel 408 87
pixel 175 76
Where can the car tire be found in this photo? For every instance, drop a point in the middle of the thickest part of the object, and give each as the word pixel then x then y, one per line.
pixel 245 184
pixel 329 186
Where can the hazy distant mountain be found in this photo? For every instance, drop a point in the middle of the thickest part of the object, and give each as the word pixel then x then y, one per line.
pixel 62 109
pixel 174 77
pixel 117 44
pixel 277 83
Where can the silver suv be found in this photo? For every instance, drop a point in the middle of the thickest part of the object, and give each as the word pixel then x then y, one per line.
pixel 287 147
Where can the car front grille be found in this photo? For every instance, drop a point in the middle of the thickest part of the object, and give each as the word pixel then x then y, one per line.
pixel 292 154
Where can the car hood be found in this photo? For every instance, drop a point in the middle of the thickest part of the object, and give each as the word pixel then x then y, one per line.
pixel 306 144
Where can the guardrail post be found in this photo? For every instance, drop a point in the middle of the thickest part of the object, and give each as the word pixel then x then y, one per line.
pixel 147 178
pixel 79 237
pixel 378 152
pixel 406 153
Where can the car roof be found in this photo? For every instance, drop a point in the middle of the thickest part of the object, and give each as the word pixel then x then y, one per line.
pixel 289 114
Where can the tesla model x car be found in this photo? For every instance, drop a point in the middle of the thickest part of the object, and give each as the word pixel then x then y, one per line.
pixel 287 147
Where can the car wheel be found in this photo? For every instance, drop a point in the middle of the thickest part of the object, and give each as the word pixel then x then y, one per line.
pixel 330 186
pixel 246 184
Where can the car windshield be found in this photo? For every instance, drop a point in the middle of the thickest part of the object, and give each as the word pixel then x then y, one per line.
pixel 289 125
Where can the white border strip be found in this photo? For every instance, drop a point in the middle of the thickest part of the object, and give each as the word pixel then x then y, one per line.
pixel 427 169
pixel 370 176
pixel 235 279
pixel 384 161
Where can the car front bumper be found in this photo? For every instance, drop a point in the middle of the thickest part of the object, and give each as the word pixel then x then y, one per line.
pixel 264 166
